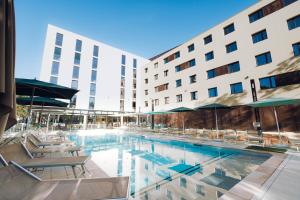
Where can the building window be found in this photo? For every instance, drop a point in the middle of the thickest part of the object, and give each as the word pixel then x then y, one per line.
pixel 191 47
pixel 294 22
pixel 57 53
pixel 200 190
pixel 192 63
pixel 96 51
pixel 267 83
pixel 288 2
pixel 193 79
pixel 53 79
pixel 177 68
pixel 146 70
pixel 74 84
pixel 209 56
pixel 95 63
pixel 296 49
pixel 259 36
pixel 75 72
pixel 213 92
pixel 211 73
pixel 233 67
pixel 231 47
pixel 55 68
pixel 146 81
pixel 178 83
pixel 183 182
pixel 92 103
pixel 94 76
pixel 256 16
pixel 263 59
pixel 155 65
pixel 155 76
pixel 166 73
pixel 146 92
pixel 78 45
pixel 179 98
pixel 167 100
pixel 77 58
pixel 146 104
pixel 229 29
pixel 208 39
pixel 123 59
pixel 156 102
pixel 177 54
pixel 93 89
pixel 134 63
pixel 59 39
pixel 73 101
pixel 236 88
pixel 123 70
pixel 194 95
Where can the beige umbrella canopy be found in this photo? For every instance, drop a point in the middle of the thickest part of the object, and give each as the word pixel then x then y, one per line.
pixel 7 66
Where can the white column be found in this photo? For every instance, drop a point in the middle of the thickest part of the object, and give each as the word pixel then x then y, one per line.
pixel 122 120
pixel 85 121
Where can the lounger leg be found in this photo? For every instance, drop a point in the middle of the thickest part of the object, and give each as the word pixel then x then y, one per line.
pixel 77 153
pixel 74 172
pixel 83 169
pixel 66 171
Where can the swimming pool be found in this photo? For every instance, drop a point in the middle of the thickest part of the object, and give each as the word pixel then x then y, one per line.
pixel 168 169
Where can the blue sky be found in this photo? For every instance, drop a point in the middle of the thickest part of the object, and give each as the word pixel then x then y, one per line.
pixel 143 27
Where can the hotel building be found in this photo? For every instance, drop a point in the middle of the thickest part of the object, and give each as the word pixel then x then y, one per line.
pixel 107 78
pixel 254 54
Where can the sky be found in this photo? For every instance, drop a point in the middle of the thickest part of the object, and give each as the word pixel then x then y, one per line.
pixel 142 27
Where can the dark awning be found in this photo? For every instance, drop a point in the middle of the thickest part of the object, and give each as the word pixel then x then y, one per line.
pixel 41 101
pixel 181 109
pixel 212 106
pixel 27 87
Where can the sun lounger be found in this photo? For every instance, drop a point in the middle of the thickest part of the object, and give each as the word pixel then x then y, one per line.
pixel 19 153
pixel 231 135
pixel 253 139
pixel 18 183
pixel 294 140
pixel 47 143
pixel 35 150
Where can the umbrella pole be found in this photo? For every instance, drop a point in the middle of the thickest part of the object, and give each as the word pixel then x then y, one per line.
pixel 277 124
pixel 183 128
pixel 30 108
pixel 41 113
pixel 216 116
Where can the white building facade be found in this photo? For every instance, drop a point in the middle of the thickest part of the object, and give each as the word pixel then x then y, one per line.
pixel 259 45
pixel 107 78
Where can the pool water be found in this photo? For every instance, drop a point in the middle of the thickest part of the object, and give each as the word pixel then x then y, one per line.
pixel 169 169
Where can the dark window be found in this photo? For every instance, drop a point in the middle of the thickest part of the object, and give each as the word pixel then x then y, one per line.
pixel 59 39
pixel 93 89
pixel 146 81
pixel 75 72
pixel 256 15
pixel 134 63
pixel 94 76
pixel 193 78
pixel 236 88
pixel 183 182
pixel 259 36
pixel 288 2
pixel 179 98
pixel 123 59
pixel 73 101
pixel 146 70
pixel 166 73
pixel 208 39
pixel 192 63
pixel 296 49
pixel 294 22
pixel 166 60
pixel 194 95
pixel 234 67
pixel 53 79
pixel 231 47
pixel 211 73
pixel 77 58
pixel 191 47
pixel 96 51
pixel 209 56
pixel 263 59
pixel 74 84
pixel 92 103
pixel 78 45
pixel 177 68
pixel 123 69
pixel 178 83
pixel 95 63
pixel 213 92
pixel 57 53
pixel 55 68
pixel 267 83
pixel 229 29
pixel 177 54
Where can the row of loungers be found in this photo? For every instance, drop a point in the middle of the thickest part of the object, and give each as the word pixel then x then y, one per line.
pixel 23 152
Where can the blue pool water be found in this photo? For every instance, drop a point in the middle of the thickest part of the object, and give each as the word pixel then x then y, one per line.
pixel 168 169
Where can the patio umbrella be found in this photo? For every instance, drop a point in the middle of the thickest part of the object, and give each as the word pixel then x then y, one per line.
pixel 157 113
pixel 274 102
pixel 214 106
pixel 41 101
pixel 181 110
pixel 7 65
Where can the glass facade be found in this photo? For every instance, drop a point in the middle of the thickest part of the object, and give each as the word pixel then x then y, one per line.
pixel 77 58
pixel 55 68
pixel 95 63
pixel 263 59
pixel 74 84
pixel 96 51
pixel 75 74
pixel 123 59
pixel 57 53
pixel 236 88
pixel 234 67
pixel 213 92
pixel 94 76
pixel 267 83
pixel 59 39
pixel 93 89
pixel 78 45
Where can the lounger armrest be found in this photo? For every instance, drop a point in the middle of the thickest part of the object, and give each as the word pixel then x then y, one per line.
pixel 3 161
pixel 27 151
pixel 24 170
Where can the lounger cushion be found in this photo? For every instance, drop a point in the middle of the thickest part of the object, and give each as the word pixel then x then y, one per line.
pixel 55 162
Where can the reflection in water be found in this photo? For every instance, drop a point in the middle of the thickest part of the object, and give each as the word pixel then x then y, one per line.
pixel 162 169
